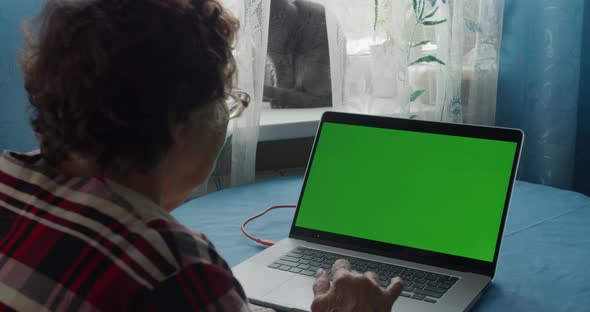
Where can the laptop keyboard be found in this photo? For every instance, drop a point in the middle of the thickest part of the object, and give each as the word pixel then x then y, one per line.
pixel 418 284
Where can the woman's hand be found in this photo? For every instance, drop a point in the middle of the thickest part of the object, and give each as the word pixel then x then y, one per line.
pixel 352 291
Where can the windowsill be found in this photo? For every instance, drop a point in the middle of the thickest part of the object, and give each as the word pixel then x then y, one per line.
pixel 285 124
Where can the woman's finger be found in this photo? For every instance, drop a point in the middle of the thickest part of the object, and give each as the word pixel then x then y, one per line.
pixel 322 283
pixel 340 267
pixel 373 277
pixel 395 288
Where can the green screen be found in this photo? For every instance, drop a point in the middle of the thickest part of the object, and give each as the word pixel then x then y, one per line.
pixel 434 192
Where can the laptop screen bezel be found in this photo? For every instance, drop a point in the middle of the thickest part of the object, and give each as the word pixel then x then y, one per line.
pixel 401 252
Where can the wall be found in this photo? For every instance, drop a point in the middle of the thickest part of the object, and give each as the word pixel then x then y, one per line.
pixel 582 181
pixel 15 133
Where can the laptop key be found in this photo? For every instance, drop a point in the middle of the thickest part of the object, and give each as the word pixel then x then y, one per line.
pixel 418 297
pixel 307 273
pixel 304 266
pixel 421 281
pixel 284 268
pixel 419 286
pixel 274 265
pixel 295 270
pixel 430 300
pixel 428 293
pixel 294 255
pixel 289 263
pixel 304 261
pixel 442 291
pixel 419 274
pixel 380 273
pixel 444 285
pixel 405 294
pixel 430 288
pixel 287 258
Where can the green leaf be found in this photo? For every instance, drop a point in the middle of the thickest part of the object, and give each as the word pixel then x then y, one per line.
pixel 432 23
pixel 427 59
pixel 429 15
pixel 376 15
pixel 421 43
pixel 423 5
pixel 416 94
pixel 414 4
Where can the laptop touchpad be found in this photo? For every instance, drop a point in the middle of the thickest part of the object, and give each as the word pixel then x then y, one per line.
pixel 295 293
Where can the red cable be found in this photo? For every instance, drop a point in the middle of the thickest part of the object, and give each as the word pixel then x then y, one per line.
pixel 265 242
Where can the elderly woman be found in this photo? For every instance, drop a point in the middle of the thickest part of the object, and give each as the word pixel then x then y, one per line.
pixel 128 101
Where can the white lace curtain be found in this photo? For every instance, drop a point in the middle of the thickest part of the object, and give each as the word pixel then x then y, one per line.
pixel 423 59
pixel 426 59
pixel 237 161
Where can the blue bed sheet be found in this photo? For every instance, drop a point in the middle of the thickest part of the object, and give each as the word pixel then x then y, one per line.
pixel 543 263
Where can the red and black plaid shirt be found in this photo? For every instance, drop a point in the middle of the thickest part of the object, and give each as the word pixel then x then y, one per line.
pixel 87 244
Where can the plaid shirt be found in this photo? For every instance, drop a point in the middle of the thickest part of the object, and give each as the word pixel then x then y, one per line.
pixel 89 244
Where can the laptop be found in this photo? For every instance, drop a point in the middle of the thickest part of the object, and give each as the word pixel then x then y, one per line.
pixel 426 201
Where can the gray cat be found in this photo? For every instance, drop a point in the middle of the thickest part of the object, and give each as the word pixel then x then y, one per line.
pixel 298 62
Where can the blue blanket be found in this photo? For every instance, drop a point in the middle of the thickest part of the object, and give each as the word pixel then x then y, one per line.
pixel 542 265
